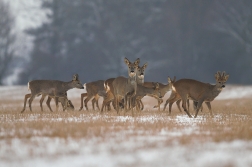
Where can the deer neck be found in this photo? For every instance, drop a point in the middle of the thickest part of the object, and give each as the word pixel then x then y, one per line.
pixel 143 91
pixel 132 80
pixel 67 85
pixel 215 90
pixel 140 80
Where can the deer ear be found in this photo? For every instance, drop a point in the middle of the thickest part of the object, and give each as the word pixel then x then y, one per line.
pixel 137 62
pixel 157 85
pixel 169 80
pixel 223 74
pixel 226 77
pixel 217 75
pixel 145 65
pixel 75 77
pixel 154 85
pixel 126 61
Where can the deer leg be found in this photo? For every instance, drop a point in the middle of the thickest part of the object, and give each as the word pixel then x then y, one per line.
pixel 188 104
pixel 41 101
pixel 30 101
pixel 209 108
pixel 198 107
pixel 195 103
pixel 108 106
pixel 86 101
pixel 93 102
pixel 48 103
pixel 57 103
pixel 82 97
pixel 171 101
pixel 141 104
pixel 172 96
pixel 178 104
pixel 184 100
pixel 64 103
pixel 96 101
pixel 25 100
pixel 105 103
pixel 167 101
pixel 117 104
pixel 160 101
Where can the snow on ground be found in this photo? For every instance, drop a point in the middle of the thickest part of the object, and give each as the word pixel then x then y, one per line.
pixel 40 151
pixel 69 152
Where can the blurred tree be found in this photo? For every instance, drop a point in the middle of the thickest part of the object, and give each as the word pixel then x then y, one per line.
pixel 7 39
pixel 92 37
pixel 235 19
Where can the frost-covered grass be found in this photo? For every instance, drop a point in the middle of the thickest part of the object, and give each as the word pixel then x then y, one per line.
pixel 150 138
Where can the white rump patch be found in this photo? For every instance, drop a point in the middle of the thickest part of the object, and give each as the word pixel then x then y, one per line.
pixel 173 88
pixel 107 89
pixel 28 84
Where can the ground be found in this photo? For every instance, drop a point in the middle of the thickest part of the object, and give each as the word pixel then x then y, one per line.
pixel 149 138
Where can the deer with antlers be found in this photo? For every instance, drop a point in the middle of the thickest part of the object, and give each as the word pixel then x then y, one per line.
pixel 197 91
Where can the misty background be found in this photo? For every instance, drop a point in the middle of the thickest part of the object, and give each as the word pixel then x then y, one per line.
pixel 54 39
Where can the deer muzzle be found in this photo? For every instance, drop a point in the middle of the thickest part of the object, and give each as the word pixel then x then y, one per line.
pixel 223 86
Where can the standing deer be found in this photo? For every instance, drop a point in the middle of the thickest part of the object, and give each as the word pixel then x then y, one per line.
pixel 108 86
pixel 140 74
pixel 52 88
pixel 94 90
pixel 143 91
pixel 163 90
pixel 188 104
pixel 66 104
pixel 198 91
pixel 69 104
pixel 125 88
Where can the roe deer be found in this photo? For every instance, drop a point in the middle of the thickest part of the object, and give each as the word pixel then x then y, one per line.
pixel 140 74
pixel 175 97
pixel 66 104
pixel 108 86
pixel 198 91
pixel 125 88
pixel 163 90
pixel 94 90
pixel 140 78
pixel 188 104
pixel 52 88
pixel 143 91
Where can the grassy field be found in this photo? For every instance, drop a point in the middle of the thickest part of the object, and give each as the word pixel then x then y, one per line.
pixel 150 138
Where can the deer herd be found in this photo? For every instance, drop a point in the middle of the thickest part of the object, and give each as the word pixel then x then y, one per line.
pixel 126 93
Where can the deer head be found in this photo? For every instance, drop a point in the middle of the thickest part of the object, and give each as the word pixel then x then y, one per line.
pixel 221 79
pixel 132 66
pixel 77 82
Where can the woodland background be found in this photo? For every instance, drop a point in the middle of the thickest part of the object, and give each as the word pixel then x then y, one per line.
pixel 182 38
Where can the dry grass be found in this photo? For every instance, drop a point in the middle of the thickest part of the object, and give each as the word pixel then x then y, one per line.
pixel 232 121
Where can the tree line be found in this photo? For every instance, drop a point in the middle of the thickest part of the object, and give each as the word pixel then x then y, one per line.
pixel 184 38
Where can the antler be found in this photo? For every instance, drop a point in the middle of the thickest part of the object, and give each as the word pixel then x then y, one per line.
pixel 223 74
pixel 217 75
